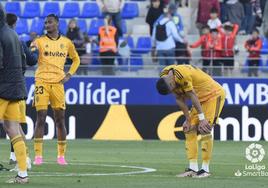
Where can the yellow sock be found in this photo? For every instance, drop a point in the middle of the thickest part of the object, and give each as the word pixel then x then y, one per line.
pixel 191 146
pixel 38 147
pixel 20 152
pixel 61 148
pixel 207 146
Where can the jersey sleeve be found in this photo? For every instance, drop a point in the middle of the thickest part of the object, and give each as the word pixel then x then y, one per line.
pixel 165 71
pixel 74 57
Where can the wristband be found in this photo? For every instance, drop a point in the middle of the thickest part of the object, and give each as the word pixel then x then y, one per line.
pixel 201 116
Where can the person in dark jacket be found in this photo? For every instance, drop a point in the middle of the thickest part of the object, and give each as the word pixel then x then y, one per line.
pixel 12 90
pixel 75 35
pixel 31 59
pixel 155 11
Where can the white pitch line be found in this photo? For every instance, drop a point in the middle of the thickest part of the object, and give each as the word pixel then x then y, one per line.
pixel 142 170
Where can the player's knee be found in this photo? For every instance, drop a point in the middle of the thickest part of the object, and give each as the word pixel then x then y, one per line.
pixel 41 118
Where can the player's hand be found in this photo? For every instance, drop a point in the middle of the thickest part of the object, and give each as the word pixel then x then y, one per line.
pixel 204 127
pixel 187 127
pixel 66 78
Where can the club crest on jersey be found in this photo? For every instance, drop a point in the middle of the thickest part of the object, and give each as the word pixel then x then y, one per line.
pixel 61 46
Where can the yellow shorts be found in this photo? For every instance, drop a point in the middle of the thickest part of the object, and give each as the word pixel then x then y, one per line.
pixel 212 110
pixel 9 110
pixel 22 104
pixel 46 94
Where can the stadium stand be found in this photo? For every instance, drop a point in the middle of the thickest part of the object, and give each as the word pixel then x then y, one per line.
pixel 31 10
pixel 37 26
pixel 13 7
pixel 70 10
pixel 22 26
pixel 51 8
pixel 90 10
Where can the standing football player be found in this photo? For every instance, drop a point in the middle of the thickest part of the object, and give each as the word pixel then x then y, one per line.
pixel 49 84
pixel 207 97
pixel 12 91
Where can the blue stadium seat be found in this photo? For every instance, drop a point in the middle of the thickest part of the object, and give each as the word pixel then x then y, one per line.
pixel 37 26
pixel 245 68
pixel 13 7
pixel 94 26
pixel 31 10
pixel 130 42
pixel 143 45
pixel 70 10
pixel 51 8
pixel 130 10
pixel 90 10
pixel 264 46
pixel 137 62
pixel 22 26
pixel 82 24
pixel 63 26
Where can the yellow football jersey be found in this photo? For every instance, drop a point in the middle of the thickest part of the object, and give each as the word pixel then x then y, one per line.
pixel 188 78
pixel 52 57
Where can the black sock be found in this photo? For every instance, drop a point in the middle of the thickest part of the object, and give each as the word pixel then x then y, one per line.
pixel 11 148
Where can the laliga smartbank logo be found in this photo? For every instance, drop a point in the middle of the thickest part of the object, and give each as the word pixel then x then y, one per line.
pixel 254 153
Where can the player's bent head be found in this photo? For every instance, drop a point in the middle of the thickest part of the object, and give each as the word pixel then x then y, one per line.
pixel 11 19
pixel 162 87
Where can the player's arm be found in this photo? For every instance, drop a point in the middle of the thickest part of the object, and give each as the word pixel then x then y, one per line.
pixel 181 102
pixel 76 62
pixel 203 126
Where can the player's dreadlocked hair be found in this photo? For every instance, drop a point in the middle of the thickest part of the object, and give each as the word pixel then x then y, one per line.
pixel 162 87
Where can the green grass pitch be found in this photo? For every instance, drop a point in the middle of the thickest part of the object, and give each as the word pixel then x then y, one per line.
pixel 105 157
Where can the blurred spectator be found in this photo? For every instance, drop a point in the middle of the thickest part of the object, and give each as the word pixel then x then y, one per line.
pixel 33 36
pixel 74 34
pixel 235 12
pixel 203 14
pixel 113 8
pixel 108 42
pixel 86 58
pixel 265 20
pixel 214 22
pixel 252 10
pixel 180 3
pixel 165 34
pixel 215 45
pixel 228 34
pixel 253 46
pixel 181 53
pixel 223 9
pixel 155 10
pixel 205 50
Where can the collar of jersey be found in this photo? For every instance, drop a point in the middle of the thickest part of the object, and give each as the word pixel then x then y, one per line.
pixel 52 38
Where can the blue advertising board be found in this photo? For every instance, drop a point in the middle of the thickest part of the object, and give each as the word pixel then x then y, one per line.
pixel 142 91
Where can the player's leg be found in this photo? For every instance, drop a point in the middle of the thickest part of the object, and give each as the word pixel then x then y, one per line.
pixel 41 101
pixel 57 100
pixel 11 118
pixel 38 136
pixel 59 116
pixel 191 146
pixel 28 161
pixel 212 110
pixel 12 157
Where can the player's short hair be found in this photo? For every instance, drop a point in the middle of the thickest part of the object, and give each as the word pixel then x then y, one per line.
pixel 228 28
pixel 213 10
pixel 256 30
pixel 162 87
pixel 205 27
pixel 11 19
pixel 214 31
pixel 53 16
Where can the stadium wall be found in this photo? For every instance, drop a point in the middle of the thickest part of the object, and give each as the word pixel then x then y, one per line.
pixel 131 109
